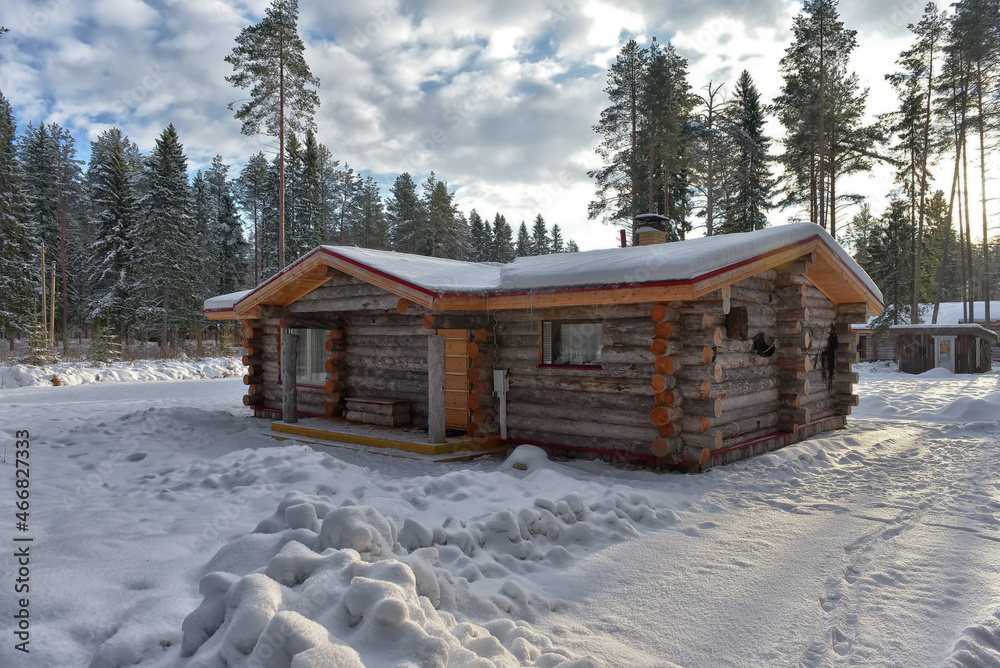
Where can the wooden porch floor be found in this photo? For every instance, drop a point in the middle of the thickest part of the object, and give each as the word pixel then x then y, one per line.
pixel 391 441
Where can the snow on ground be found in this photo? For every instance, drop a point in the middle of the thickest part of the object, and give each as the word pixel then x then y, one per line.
pixel 171 531
pixel 77 373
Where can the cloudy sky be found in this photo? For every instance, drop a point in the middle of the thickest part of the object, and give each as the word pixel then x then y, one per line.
pixel 498 98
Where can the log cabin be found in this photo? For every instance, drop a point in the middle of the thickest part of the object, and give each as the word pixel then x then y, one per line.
pixel 959 348
pixel 683 354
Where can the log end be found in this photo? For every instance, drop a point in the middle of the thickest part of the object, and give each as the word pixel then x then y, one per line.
pixel 661 447
pixel 402 306
pixel 482 335
pixel 428 321
pixel 472 349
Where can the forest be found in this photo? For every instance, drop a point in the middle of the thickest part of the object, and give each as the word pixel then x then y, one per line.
pixel 129 244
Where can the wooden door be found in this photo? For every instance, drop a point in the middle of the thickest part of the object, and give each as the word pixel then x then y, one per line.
pixel 456 379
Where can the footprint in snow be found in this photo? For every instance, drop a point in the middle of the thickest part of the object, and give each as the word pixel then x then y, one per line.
pixel 136 457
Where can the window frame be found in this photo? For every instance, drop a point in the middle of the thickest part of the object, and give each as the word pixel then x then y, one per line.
pixel 542 364
pixel 311 346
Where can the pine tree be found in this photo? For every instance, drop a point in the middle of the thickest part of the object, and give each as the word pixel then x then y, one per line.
pixel 618 187
pixel 269 56
pixel 883 251
pixel 540 242
pixel 571 247
pixel 524 247
pixel 405 213
pixel 752 184
pixel 821 107
pixel 503 240
pixel 557 240
pixel 445 235
pixel 17 248
pixel 113 183
pixel 171 248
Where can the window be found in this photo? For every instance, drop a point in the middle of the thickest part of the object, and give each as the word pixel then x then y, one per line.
pixel 310 367
pixel 571 343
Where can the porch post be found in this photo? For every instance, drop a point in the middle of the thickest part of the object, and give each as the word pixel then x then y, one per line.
pixel 289 409
pixel 436 407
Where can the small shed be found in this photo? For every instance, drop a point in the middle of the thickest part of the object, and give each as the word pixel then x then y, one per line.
pixel 682 354
pixel 958 348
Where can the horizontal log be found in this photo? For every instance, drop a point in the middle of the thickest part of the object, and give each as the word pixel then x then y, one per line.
pixel 847 399
pixel 577 428
pixel 695 423
pixel 388 353
pixel 383 302
pixel 601 443
pixel 660 347
pixel 696 455
pixel 251 380
pixel 697 321
pixel 710 337
pixel 784 328
pixel 377 419
pixel 253 399
pixel 248 360
pixel 741 428
pixel 665 414
pixel 698 306
pixel 742 360
pixel 748 372
pixel 700 373
pixel 792 315
pixel 378 407
pixel 661 447
pixel 707 407
pixel 695 356
pixel 736 401
pixel 632 418
pixel 664 313
pixel 710 439
pixel 669 430
pixel 741 295
pixel 632 354
pixel 798 416
pixel 740 387
pixel 603 385
pixel 598 313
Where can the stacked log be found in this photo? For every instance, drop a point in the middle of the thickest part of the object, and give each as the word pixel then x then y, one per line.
pixel 847 345
pixel 483 412
pixel 384 354
pixel 335 372
pixel 385 413
pixel 606 408
pixel 794 316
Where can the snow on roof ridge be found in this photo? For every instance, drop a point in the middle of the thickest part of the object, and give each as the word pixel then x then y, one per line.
pixel 676 261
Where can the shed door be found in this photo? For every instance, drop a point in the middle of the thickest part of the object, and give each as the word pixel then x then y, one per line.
pixel 944 352
pixel 456 379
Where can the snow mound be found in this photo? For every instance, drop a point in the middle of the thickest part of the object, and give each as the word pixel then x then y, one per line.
pixel 979 645
pixel 70 373
pixel 314 578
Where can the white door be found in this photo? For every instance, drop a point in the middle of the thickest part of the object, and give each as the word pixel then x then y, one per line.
pixel 944 352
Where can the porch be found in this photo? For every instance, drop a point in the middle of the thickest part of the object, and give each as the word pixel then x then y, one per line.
pixel 408 442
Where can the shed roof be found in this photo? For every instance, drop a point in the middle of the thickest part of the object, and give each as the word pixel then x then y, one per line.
pixel 946 330
pixel 662 272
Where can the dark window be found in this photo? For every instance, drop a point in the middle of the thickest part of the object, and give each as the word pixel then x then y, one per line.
pixel 571 343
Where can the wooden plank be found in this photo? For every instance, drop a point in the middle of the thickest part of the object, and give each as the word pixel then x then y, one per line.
pixel 456 364
pixel 454 347
pixel 456 381
pixel 456 418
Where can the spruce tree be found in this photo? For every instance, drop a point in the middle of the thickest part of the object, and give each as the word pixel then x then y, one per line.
pixel 172 250
pixel 370 228
pixel 113 184
pixel 17 248
pixel 503 240
pixel 233 248
pixel 571 247
pixel 524 247
pixel 752 185
pixel 480 238
pixel 251 193
pixel 540 242
pixel 269 57
pixel 405 214
pixel 557 240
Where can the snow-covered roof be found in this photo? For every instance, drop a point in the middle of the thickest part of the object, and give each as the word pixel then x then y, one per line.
pixel 950 313
pixel 696 265
pixel 224 303
pixel 946 328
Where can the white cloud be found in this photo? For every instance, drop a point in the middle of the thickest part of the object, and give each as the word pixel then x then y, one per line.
pixel 497 98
